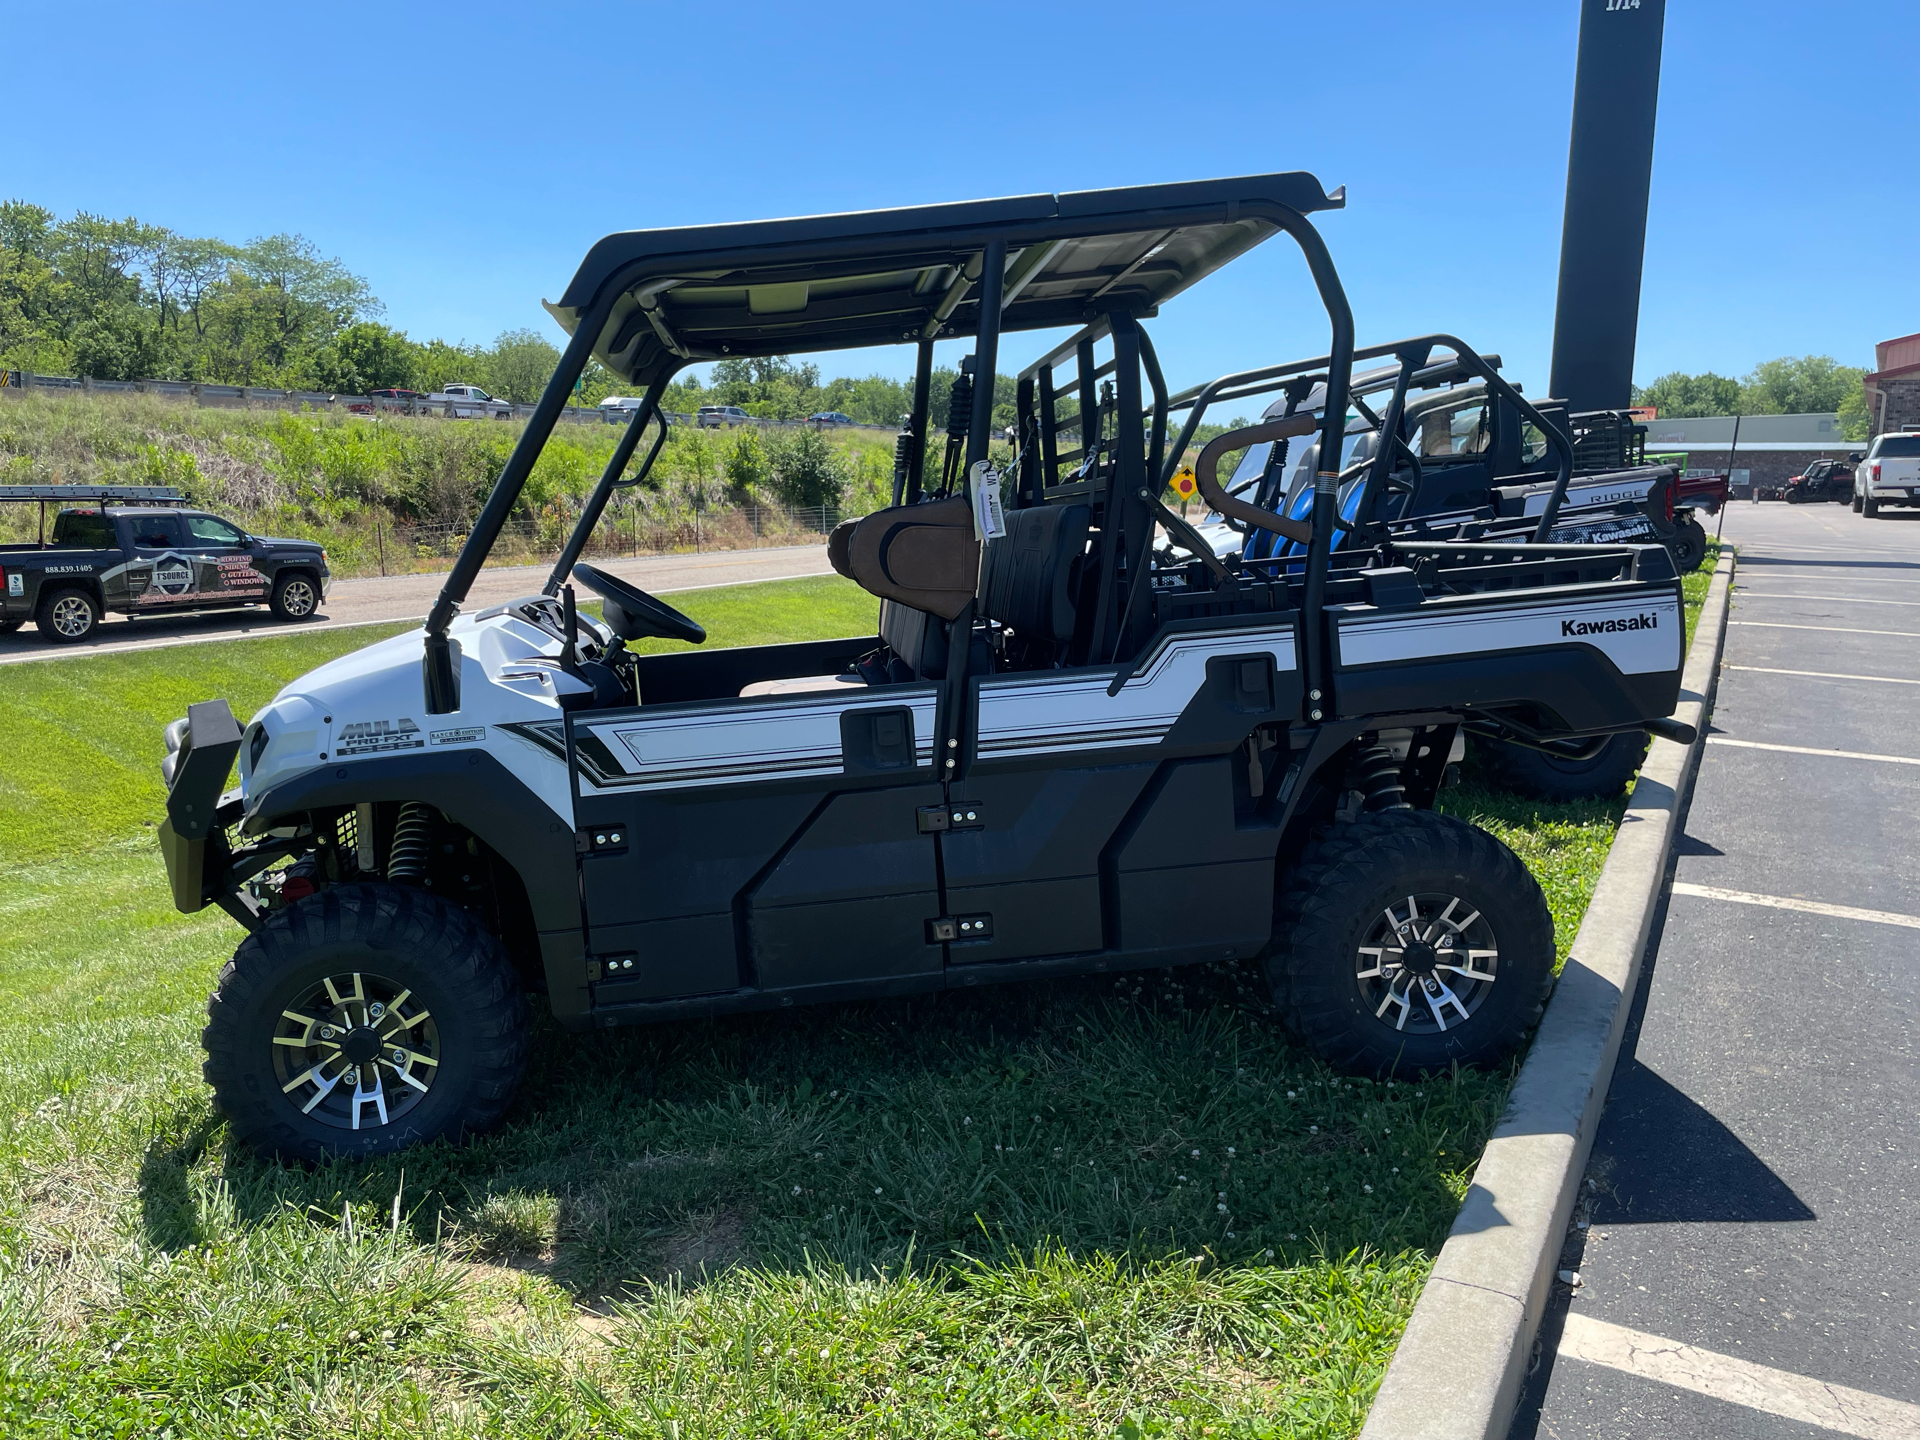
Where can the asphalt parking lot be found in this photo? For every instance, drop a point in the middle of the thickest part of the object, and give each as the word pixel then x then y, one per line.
pixel 1752 1262
pixel 409 597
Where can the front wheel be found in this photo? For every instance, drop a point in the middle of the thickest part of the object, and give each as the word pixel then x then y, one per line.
pixel 1408 941
pixel 362 1020
pixel 1689 545
pixel 295 596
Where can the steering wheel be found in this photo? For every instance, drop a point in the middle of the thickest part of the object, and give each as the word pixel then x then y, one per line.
pixel 632 614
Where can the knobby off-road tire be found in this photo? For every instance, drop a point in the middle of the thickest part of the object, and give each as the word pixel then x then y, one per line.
pixel 68 616
pixel 1542 776
pixel 356 991
pixel 296 596
pixel 1405 894
pixel 1689 546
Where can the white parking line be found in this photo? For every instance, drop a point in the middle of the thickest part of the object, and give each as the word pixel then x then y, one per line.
pixel 1739 1382
pixel 1843 599
pixel 1820 674
pixel 1790 902
pixel 1813 750
pixel 1826 629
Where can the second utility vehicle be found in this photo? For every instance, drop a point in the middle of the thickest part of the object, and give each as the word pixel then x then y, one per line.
pixel 1074 742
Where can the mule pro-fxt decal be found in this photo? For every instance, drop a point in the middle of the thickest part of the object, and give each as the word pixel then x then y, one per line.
pixel 1639 634
pixel 378 737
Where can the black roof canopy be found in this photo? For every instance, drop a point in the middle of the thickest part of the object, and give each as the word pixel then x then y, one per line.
pixel 881 277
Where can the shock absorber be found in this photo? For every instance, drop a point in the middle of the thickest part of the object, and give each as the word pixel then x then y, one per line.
pixel 1376 774
pixel 412 838
pixel 903 444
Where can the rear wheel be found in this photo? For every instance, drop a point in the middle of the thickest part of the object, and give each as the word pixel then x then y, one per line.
pixel 362 1020
pixel 1856 502
pixel 1869 507
pixel 1689 545
pixel 296 596
pixel 68 616
pixel 1408 941
pixel 1542 775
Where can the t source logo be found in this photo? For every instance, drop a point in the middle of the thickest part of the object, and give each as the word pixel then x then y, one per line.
pixel 1575 628
pixel 374 737
pixel 172 576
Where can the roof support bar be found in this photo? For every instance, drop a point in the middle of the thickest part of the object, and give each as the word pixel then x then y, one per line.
pixel 986 357
pixel 917 421
pixel 1126 513
pixel 440 670
pixel 596 503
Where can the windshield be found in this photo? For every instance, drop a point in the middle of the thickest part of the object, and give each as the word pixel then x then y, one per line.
pixel 1903 446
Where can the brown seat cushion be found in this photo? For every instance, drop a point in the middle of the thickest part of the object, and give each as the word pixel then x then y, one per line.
pixel 921 555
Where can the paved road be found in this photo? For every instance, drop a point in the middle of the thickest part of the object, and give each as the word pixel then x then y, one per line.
pixel 1756 1177
pixel 409 597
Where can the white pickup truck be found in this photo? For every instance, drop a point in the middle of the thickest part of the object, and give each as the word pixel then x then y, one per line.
pixel 1889 473
pixel 469 402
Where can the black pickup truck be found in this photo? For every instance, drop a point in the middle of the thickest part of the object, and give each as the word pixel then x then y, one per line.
pixel 147 554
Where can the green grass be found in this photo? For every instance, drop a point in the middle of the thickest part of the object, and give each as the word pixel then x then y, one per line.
pixel 989 1213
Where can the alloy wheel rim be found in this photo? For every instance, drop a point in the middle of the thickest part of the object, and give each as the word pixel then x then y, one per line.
pixel 356 1051
pixel 71 616
pixel 1427 963
pixel 297 597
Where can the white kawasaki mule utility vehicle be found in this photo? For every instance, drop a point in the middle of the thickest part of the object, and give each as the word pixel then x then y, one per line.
pixel 1077 741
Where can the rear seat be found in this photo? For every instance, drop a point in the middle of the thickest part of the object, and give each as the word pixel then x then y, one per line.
pixel 915 557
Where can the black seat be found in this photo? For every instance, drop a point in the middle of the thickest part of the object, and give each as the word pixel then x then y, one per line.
pixel 1031 574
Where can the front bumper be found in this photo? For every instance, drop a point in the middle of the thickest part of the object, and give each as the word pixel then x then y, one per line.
pixel 201 750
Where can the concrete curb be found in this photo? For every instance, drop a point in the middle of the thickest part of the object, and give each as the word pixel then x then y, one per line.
pixel 1458 1370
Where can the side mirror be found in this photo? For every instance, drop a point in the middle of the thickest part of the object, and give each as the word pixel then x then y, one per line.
pixel 1856 456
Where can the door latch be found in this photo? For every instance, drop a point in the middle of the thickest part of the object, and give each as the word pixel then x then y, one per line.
pixel 949 928
pixel 932 819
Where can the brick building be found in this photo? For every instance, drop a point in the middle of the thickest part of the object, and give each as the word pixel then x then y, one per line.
pixel 1768 450
pixel 1893 389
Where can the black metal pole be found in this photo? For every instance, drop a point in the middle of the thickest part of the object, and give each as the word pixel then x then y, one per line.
pixel 986 351
pixel 922 383
pixel 1126 511
pixel 1603 239
pixel 506 490
pixel 596 502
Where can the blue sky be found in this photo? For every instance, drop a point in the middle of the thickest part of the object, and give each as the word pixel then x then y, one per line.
pixel 464 157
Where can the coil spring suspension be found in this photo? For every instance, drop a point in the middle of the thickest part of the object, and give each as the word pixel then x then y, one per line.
pixel 903 444
pixel 412 836
pixel 960 403
pixel 1376 774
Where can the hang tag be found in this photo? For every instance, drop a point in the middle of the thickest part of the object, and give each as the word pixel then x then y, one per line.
pixel 989 519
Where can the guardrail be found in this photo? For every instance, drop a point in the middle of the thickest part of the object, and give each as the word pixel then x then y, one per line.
pixel 259 396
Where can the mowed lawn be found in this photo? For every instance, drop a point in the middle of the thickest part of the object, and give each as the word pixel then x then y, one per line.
pixel 1117 1207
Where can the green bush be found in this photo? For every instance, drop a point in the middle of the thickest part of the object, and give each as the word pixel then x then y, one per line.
pixel 803 470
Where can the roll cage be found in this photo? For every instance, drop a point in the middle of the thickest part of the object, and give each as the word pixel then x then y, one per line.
pixel 648 303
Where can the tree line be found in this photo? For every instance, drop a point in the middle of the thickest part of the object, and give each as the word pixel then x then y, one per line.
pixel 1790 385
pixel 126 300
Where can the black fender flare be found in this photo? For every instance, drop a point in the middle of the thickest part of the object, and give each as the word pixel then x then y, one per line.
pixel 469 787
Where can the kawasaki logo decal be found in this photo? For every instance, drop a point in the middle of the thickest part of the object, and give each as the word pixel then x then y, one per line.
pixel 374 737
pixel 1643 621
